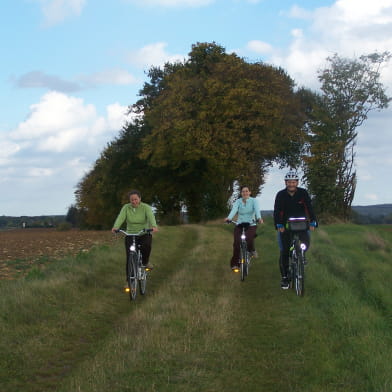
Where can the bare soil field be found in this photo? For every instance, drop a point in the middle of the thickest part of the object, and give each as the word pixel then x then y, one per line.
pixel 22 249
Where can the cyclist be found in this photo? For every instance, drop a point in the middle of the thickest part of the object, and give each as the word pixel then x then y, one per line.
pixel 138 216
pixel 291 202
pixel 247 211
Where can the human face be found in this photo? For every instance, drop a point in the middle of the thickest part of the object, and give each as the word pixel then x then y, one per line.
pixel 135 200
pixel 245 193
pixel 291 185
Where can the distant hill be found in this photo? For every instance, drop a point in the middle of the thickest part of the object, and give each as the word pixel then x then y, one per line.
pixel 378 213
pixel 374 210
pixel 12 222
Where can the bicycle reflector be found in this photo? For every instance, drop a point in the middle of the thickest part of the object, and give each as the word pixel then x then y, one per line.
pixel 133 248
pixel 127 289
pixel 243 236
pixel 303 246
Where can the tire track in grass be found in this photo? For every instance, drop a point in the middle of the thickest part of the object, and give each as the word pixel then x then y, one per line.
pixel 177 339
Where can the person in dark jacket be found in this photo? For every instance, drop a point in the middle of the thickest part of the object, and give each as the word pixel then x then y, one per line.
pixel 291 202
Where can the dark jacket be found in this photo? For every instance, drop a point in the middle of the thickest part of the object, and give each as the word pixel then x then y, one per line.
pixel 296 206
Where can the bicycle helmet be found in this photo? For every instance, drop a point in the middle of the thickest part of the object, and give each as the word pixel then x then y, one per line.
pixel 291 175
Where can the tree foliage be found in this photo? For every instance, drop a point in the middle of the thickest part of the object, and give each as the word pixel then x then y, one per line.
pixel 351 88
pixel 202 126
pixel 218 119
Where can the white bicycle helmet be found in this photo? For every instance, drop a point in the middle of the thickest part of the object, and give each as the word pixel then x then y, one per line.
pixel 291 175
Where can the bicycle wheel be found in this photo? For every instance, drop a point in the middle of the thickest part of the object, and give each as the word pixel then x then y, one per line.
pixel 244 263
pixel 142 278
pixel 300 281
pixel 132 276
pixel 292 270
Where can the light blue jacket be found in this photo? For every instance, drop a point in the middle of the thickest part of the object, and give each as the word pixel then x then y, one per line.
pixel 247 212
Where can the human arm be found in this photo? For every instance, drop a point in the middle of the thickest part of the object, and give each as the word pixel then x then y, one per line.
pixel 278 213
pixel 120 219
pixel 234 210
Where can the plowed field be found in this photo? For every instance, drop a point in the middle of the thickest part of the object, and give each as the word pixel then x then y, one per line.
pixel 24 248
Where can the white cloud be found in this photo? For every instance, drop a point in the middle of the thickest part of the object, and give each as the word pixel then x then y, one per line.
pixel 56 11
pixel 63 124
pixel 348 27
pixel 371 197
pixel 49 152
pixel 259 47
pixel 153 55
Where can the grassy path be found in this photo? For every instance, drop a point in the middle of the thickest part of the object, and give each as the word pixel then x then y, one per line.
pixel 199 328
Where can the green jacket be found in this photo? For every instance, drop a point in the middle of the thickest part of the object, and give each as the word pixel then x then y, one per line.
pixel 137 218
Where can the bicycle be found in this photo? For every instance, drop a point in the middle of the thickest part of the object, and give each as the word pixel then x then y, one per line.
pixel 245 255
pixel 136 272
pixel 297 259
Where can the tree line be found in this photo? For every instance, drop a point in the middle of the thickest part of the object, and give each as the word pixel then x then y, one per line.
pixel 206 125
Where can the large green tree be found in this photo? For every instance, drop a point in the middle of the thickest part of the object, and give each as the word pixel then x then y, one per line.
pixel 350 89
pixel 218 119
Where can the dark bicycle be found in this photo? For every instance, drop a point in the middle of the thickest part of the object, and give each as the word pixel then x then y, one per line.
pixel 297 259
pixel 136 272
pixel 245 255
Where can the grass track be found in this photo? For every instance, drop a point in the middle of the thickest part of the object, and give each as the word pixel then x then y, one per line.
pixel 199 328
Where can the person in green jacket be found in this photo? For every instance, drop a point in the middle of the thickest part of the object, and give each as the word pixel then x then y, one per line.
pixel 138 216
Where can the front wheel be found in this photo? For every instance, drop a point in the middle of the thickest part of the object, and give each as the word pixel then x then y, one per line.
pixel 244 263
pixel 300 276
pixel 142 280
pixel 132 276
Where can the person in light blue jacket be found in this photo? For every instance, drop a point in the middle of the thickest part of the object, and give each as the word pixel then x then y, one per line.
pixel 247 210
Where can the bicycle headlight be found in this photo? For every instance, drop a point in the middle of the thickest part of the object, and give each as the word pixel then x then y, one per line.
pixel 133 248
pixel 243 236
pixel 303 246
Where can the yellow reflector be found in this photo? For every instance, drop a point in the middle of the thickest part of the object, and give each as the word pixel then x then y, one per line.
pixel 127 290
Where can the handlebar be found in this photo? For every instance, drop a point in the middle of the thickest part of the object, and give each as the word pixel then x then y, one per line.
pixel 135 234
pixel 243 224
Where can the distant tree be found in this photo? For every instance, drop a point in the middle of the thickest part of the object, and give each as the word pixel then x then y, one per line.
pixel 350 90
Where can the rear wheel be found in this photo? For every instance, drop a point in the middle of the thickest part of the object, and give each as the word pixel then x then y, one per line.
pixel 132 276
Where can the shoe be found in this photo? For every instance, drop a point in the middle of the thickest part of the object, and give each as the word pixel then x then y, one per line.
pixel 148 267
pixel 235 268
pixel 254 254
pixel 284 284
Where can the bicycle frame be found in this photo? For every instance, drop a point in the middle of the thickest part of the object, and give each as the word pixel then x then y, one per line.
pixel 297 254
pixel 244 254
pixel 136 273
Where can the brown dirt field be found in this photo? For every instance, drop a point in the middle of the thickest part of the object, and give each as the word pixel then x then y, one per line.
pixel 28 246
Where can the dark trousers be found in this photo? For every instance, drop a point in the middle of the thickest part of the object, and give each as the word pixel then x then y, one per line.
pixel 284 240
pixel 144 241
pixel 250 237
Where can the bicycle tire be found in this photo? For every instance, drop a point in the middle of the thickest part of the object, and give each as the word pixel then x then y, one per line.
pixel 142 278
pixel 243 264
pixel 300 281
pixel 292 271
pixel 132 276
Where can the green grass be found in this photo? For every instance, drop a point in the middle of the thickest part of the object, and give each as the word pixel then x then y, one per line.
pixel 70 327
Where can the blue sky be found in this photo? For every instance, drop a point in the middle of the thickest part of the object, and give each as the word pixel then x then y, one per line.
pixel 70 68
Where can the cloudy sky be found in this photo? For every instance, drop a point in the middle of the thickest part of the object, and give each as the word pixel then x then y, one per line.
pixel 70 68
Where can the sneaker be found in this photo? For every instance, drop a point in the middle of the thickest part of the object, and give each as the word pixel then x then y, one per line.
pixel 284 283
pixel 254 254
pixel 148 267
pixel 235 268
